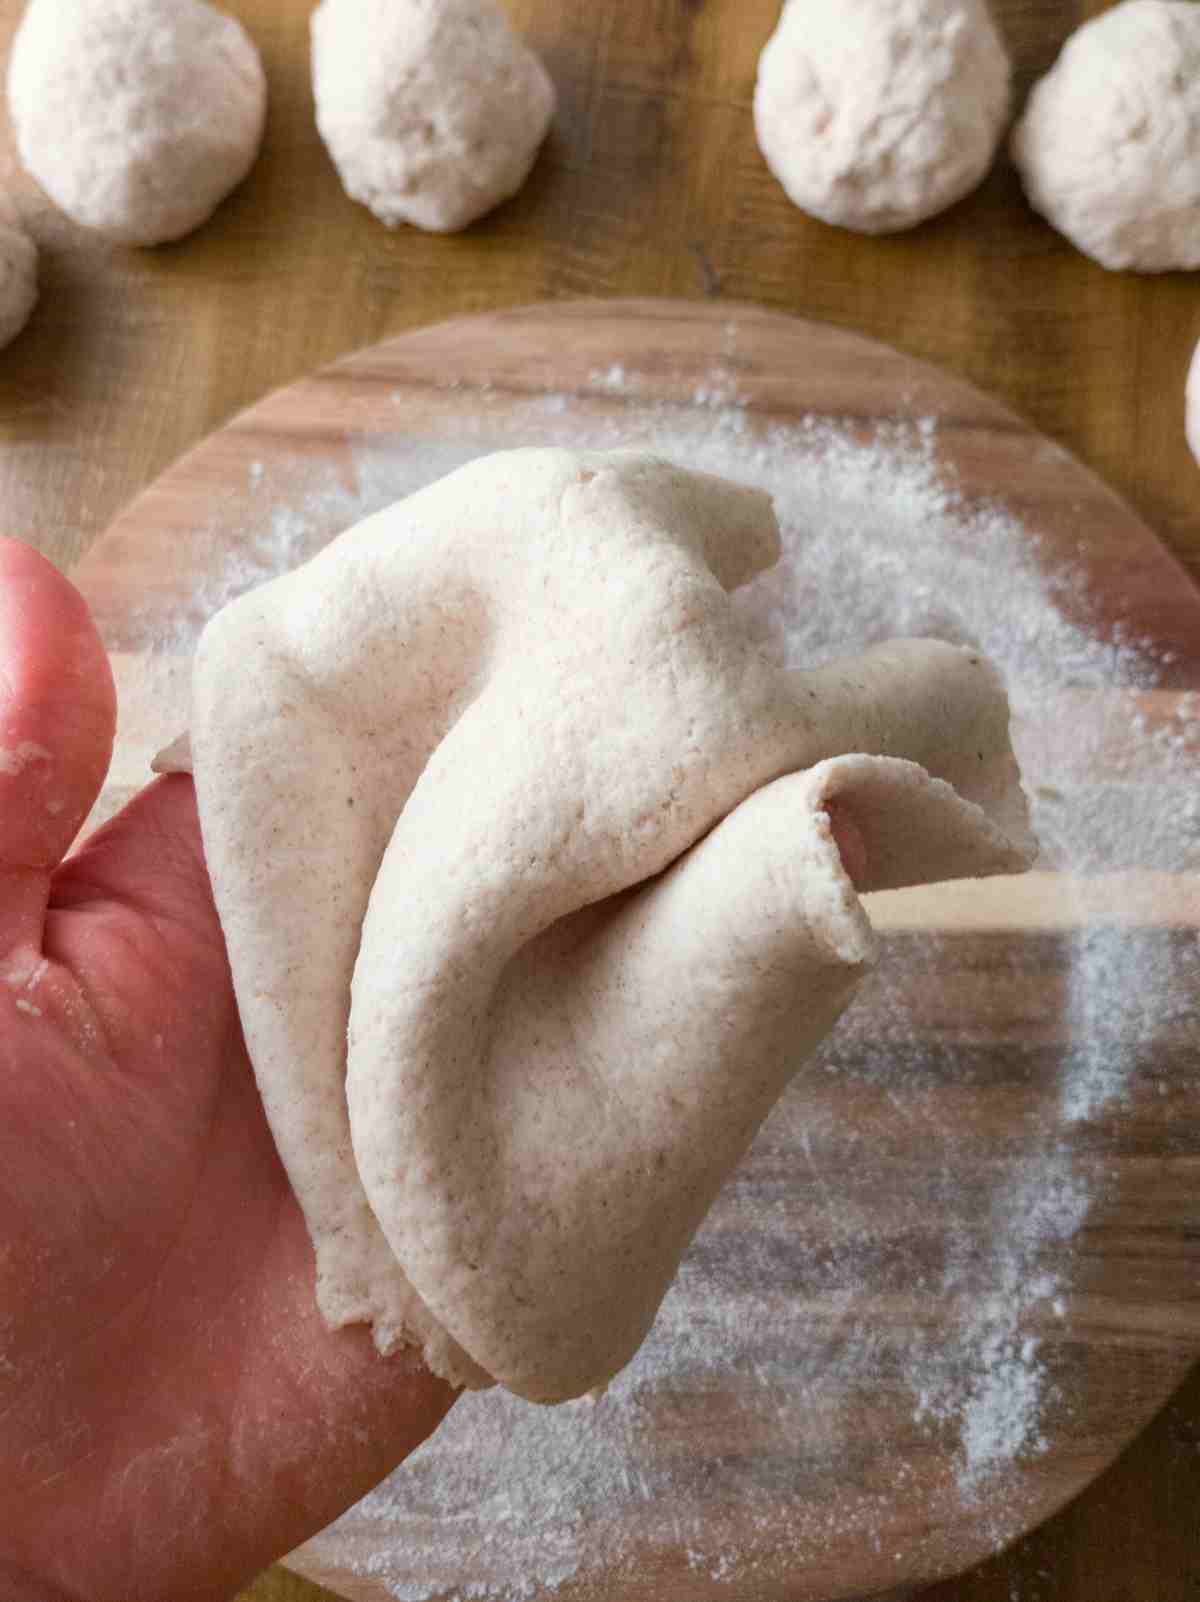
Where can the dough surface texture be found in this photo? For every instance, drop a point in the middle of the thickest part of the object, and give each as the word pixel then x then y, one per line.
pixel 1108 147
pixel 137 117
pixel 573 911
pixel 1192 404
pixel 18 274
pixel 876 114
pixel 432 110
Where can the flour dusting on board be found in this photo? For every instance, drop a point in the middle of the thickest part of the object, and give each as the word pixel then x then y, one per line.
pixel 779 1346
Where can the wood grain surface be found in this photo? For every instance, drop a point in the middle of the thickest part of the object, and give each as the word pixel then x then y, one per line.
pixel 650 184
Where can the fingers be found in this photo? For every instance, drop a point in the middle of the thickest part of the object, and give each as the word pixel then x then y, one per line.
pixel 57 723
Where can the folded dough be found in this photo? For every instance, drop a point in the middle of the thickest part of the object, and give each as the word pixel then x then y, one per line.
pixel 497 790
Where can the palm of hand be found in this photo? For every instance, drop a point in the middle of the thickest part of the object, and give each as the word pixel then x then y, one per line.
pixel 163 1373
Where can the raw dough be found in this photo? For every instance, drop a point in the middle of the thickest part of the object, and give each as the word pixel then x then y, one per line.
pixel 137 117
pixel 18 273
pixel 563 838
pixel 1193 404
pixel 876 114
pixel 433 110
pixel 1109 145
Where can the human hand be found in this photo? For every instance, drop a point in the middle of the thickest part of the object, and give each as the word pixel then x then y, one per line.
pixel 174 1413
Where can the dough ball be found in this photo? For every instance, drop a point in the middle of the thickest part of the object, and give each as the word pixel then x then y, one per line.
pixel 876 114
pixel 433 110
pixel 18 274
pixel 1109 145
pixel 137 117
pixel 1193 405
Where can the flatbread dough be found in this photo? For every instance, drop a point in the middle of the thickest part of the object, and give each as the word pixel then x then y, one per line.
pixel 523 853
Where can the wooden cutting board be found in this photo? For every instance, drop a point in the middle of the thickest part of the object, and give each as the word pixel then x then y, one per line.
pixel 960 1268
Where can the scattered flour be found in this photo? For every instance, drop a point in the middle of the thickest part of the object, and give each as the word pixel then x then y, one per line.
pixel 14 759
pixel 613 378
pixel 792 1337
pixel 24 968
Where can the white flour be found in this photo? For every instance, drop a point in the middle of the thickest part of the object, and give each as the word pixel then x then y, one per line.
pixel 787 1292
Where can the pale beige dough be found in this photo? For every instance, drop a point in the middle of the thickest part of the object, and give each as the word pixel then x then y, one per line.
pixel 523 855
pixel 137 117
pixel 876 114
pixel 432 110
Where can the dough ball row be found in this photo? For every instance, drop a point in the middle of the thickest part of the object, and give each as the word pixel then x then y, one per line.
pixel 877 114
pixel 557 964
pixel 138 117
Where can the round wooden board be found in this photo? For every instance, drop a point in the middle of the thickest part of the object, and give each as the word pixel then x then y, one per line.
pixel 944 1290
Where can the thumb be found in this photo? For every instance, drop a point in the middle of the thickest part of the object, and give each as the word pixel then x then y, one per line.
pixel 57 723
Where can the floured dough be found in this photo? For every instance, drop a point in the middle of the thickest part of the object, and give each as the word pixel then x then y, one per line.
pixel 137 117
pixel 433 110
pixel 1108 147
pixel 571 908
pixel 18 273
pixel 876 114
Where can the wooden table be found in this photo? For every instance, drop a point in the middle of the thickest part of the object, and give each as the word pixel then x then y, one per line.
pixel 651 184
